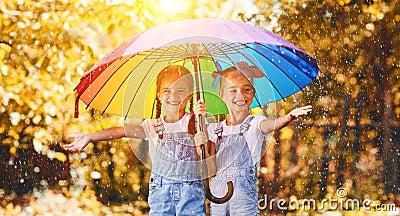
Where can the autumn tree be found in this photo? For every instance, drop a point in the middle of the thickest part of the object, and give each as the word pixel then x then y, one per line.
pixel 355 43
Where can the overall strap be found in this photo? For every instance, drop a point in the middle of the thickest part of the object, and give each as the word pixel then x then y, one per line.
pixel 159 128
pixel 244 127
pixel 218 131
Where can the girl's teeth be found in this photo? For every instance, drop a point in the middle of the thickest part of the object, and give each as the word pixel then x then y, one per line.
pixel 240 103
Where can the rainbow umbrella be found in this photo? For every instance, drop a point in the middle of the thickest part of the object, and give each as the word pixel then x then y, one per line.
pixel 123 82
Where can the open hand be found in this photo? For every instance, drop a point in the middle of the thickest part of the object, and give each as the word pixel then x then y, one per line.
pixel 299 112
pixel 79 143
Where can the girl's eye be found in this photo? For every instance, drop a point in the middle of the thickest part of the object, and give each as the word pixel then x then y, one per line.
pixel 233 91
pixel 248 90
pixel 166 91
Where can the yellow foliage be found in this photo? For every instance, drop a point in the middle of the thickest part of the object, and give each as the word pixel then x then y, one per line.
pixel 13 150
pixel 286 133
pixel 60 156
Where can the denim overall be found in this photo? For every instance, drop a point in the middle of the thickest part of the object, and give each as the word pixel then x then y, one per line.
pixel 175 186
pixel 234 163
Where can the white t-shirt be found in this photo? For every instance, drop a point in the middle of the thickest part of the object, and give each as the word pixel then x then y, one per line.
pixel 175 127
pixel 254 136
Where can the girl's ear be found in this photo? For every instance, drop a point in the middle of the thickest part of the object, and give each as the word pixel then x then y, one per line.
pixel 221 95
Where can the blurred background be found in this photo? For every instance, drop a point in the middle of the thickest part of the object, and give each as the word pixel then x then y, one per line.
pixel 350 140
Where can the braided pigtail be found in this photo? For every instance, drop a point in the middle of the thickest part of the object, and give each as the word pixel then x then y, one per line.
pixel 192 121
pixel 191 105
pixel 158 108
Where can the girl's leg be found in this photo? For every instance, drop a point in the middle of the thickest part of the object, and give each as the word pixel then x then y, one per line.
pixel 219 209
pixel 160 198
pixel 191 199
pixel 244 200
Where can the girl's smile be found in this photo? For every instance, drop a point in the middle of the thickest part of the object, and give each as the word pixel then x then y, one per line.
pixel 175 92
pixel 240 103
pixel 237 92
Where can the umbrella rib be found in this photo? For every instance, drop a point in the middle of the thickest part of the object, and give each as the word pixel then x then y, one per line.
pixel 254 65
pixel 180 48
pixel 211 50
pixel 184 50
pixel 264 76
pixel 157 54
pixel 108 104
pixel 233 63
pixel 140 84
pixel 201 79
pixel 104 83
pixel 303 56
pixel 263 45
pixel 209 53
pixel 277 65
pixel 174 53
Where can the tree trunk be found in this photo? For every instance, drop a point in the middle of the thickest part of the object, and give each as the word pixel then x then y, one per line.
pixel 342 141
pixel 277 167
pixel 277 150
pixel 382 75
pixel 294 157
pixel 325 163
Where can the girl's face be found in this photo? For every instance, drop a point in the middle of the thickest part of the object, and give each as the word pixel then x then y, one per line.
pixel 175 92
pixel 237 91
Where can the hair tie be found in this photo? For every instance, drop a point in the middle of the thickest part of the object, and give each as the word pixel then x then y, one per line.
pixel 217 74
pixel 256 72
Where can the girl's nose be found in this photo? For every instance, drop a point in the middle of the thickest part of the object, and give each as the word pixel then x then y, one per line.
pixel 239 94
pixel 173 95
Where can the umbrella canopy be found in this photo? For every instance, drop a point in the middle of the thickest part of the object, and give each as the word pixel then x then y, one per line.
pixel 123 82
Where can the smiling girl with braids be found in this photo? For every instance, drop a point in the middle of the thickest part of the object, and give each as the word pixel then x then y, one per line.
pixel 238 140
pixel 175 186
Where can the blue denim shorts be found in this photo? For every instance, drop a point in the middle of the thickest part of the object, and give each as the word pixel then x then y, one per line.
pixel 244 200
pixel 173 197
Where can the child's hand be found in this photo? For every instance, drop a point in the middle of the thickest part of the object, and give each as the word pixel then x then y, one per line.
pixel 79 143
pixel 201 138
pixel 299 112
pixel 200 108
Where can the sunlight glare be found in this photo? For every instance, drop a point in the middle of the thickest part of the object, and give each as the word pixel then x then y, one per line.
pixel 173 7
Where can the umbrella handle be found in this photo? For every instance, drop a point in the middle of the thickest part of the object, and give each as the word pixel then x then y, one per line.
pixel 206 181
pixel 206 184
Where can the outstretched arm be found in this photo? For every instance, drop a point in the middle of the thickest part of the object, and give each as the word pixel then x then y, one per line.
pixel 82 140
pixel 270 125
